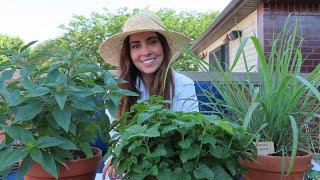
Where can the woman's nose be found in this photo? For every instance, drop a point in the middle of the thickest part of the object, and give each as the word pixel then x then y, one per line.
pixel 145 50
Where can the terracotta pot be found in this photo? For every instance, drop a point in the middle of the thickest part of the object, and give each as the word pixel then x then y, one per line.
pixel 267 167
pixel 82 169
pixel 2 135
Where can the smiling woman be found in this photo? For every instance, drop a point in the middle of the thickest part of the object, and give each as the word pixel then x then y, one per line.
pixel 143 53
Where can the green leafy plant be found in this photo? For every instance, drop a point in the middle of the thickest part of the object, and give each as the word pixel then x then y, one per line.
pixel 283 104
pixel 52 105
pixel 153 142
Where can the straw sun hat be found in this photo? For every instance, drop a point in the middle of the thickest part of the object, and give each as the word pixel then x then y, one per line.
pixel 110 49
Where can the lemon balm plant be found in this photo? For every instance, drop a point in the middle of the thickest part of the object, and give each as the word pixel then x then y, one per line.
pixel 52 105
pixel 156 143
pixel 282 105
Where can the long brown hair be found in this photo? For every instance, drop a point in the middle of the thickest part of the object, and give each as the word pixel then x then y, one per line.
pixel 130 73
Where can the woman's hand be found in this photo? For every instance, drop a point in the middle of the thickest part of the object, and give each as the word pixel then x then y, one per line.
pixel 109 169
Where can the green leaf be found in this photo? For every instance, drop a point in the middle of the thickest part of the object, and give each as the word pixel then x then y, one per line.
pixel 36 155
pixel 208 139
pixel 62 117
pixel 61 79
pixel 134 145
pixel 40 91
pixel 25 166
pixel 67 144
pixel 85 103
pixel 15 156
pixel 165 174
pixel 159 151
pixel 152 132
pixel 203 172
pixel 16 132
pixel 225 125
pixel 6 75
pixel 295 142
pixel 190 153
pixel 125 92
pixel 97 89
pixel 186 143
pixel 61 99
pixel 28 111
pixel 219 152
pixel 86 148
pixel 154 170
pixel 142 117
pixel 27 138
pixel 50 165
pixel 46 141
pixel 29 85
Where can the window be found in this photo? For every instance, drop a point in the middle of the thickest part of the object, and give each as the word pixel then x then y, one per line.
pixel 222 55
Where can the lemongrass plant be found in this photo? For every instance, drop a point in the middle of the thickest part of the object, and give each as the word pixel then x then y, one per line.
pixel 279 108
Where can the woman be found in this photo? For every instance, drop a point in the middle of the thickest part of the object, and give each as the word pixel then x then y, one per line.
pixel 143 53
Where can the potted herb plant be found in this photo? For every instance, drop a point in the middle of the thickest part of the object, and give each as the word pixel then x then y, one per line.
pixel 278 109
pixel 52 105
pixel 153 142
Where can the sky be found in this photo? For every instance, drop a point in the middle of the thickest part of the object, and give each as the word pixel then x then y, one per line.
pixel 40 19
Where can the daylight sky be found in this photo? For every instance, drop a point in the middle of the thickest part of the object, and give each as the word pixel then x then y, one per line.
pixel 39 19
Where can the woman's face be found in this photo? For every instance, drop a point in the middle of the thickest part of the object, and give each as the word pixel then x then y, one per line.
pixel 146 52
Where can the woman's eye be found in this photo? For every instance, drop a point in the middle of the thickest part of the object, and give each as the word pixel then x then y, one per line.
pixel 154 41
pixel 135 46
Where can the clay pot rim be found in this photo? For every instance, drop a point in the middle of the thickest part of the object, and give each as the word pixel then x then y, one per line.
pixel 96 152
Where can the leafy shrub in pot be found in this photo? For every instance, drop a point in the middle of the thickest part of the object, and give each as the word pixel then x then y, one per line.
pixel 52 105
pixel 153 142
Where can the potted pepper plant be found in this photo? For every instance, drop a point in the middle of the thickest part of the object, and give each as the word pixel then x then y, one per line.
pixel 278 109
pixel 52 105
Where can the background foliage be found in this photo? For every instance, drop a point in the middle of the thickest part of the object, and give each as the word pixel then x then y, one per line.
pixel 86 33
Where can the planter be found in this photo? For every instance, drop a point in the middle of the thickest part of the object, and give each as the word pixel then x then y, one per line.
pixel 82 169
pixel 2 136
pixel 267 167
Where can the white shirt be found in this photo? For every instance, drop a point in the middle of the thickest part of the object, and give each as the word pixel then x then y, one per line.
pixel 185 98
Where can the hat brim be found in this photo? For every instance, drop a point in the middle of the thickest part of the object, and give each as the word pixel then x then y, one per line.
pixel 110 49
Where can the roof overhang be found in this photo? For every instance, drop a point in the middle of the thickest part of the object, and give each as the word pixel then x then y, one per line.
pixel 235 12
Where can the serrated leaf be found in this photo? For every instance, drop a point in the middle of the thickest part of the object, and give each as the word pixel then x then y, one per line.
pixel 203 172
pixel 125 92
pixel 84 103
pixel 190 153
pixel 28 85
pixel 159 151
pixel 142 117
pixel 50 165
pixel 25 166
pixel 46 141
pixel 62 117
pixel 97 89
pixel 86 148
pixel 219 151
pixel 6 75
pixel 15 156
pixel 67 145
pixel 28 111
pixel 16 132
pixel 186 143
pixel 134 145
pixel 165 174
pixel 39 91
pixel 154 170
pixel 61 99
pixel 36 155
